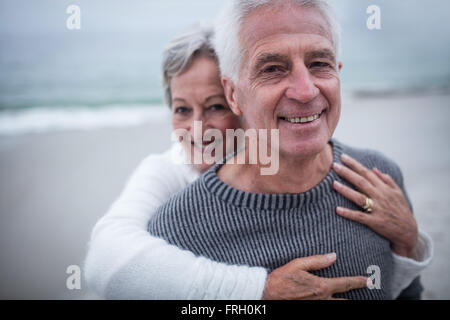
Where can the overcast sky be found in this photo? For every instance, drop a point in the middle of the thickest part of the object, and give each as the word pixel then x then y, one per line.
pixel 43 16
pixel 415 34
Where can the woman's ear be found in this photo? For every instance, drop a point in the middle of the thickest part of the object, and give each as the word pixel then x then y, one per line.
pixel 230 94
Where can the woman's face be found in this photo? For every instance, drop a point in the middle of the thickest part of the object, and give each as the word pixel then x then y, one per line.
pixel 197 95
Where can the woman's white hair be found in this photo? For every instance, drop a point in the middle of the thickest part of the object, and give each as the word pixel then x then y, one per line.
pixel 181 51
pixel 228 26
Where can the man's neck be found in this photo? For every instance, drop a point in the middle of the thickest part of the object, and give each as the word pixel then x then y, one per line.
pixel 295 175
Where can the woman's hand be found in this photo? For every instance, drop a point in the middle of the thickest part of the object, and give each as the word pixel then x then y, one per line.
pixel 293 281
pixel 391 216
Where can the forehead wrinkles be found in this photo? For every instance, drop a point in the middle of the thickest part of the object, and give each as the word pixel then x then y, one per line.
pixel 292 47
pixel 263 23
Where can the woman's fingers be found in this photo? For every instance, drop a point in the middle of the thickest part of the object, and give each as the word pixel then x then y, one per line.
pixel 351 194
pixel 344 284
pixel 361 183
pixel 354 215
pixel 360 169
pixel 385 178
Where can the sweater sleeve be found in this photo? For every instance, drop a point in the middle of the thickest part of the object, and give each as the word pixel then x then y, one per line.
pixel 406 283
pixel 125 262
pixel 408 269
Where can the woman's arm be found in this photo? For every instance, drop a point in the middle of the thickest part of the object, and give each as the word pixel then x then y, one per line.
pixel 412 248
pixel 125 262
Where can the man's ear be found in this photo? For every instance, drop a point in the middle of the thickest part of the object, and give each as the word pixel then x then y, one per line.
pixel 230 94
pixel 340 65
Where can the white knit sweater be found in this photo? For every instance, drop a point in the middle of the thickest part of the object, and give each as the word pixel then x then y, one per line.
pixel 125 262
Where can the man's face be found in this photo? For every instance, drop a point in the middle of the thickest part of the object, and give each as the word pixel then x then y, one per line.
pixel 289 78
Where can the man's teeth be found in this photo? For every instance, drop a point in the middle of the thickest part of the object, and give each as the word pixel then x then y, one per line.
pixel 303 119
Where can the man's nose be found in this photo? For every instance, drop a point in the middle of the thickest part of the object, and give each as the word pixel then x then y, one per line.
pixel 302 87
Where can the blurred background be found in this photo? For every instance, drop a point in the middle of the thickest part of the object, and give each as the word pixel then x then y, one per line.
pixel 80 108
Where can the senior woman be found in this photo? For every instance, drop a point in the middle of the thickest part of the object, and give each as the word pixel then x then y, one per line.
pixel 124 261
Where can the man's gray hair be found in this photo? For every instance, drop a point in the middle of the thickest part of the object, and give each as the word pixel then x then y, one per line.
pixel 181 51
pixel 228 27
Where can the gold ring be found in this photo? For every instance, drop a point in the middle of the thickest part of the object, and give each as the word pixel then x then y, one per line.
pixel 368 206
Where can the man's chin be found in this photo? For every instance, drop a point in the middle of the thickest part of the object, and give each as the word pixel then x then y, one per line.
pixel 303 148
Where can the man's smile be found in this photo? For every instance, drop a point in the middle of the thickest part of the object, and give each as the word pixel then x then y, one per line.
pixel 302 119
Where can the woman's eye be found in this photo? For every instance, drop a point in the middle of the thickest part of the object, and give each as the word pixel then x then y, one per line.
pixel 181 110
pixel 217 107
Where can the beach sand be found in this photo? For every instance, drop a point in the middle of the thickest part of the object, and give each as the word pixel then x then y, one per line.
pixel 54 186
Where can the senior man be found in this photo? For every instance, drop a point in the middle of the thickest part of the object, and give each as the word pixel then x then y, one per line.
pixel 280 71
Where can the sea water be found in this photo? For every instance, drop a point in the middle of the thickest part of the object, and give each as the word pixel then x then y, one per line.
pixel 107 73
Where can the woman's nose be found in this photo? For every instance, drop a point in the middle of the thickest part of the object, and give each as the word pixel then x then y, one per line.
pixel 195 117
pixel 198 125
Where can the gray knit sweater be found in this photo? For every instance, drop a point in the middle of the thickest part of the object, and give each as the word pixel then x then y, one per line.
pixel 214 220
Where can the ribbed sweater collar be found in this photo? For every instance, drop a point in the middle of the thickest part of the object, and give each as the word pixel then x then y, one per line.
pixel 263 201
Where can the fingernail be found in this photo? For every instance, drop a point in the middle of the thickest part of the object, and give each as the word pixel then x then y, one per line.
pixel 337 183
pixel 337 165
pixel 340 210
pixel 331 256
pixel 345 157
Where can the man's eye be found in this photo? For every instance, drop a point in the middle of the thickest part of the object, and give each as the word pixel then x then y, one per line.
pixel 320 64
pixel 271 69
pixel 181 110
